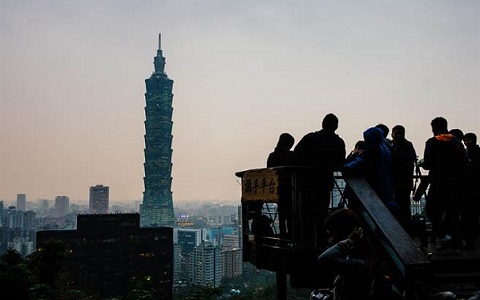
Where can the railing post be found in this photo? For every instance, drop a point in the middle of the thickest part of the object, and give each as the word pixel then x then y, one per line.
pixel 281 286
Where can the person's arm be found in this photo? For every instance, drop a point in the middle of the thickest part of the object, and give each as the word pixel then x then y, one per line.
pixel 270 162
pixel 299 151
pixel 335 258
pixel 427 156
pixel 411 154
pixel 342 152
pixel 358 162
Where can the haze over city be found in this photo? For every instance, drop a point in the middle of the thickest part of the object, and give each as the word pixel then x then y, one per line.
pixel 72 84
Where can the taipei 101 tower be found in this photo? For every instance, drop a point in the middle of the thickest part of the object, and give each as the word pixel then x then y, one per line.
pixel 157 206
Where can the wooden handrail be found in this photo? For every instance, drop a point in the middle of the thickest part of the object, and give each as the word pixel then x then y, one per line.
pixel 404 252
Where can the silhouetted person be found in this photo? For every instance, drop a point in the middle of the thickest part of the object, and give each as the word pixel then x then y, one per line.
pixel 465 204
pixel 362 273
pixel 470 204
pixel 326 150
pixel 375 164
pixel 385 132
pixel 445 160
pixel 357 266
pixel 283 156
pixel 356 153
pixel 262 226
pixel 458 133
pixel 404 158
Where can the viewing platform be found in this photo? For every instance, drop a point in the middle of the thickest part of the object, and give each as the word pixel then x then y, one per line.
pixel 284 251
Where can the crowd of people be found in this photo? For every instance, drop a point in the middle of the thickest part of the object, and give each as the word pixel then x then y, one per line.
pixel 388 165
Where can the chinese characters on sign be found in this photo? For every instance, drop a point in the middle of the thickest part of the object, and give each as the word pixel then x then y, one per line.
pixel 260 185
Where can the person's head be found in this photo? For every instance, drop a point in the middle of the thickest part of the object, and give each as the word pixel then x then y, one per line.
pixel 398 133
pixel 457 133
pixel 285 141
pixel 373 136
pixel 470 139
pixel 330 122
pixel 360 145
pixel 384 129
pixel 340 223
pixel 439 125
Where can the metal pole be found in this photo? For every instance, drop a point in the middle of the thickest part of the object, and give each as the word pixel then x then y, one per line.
pixel 281 286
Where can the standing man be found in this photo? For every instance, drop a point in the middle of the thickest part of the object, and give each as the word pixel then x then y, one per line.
pixel 471 201
pixel 444 157
pixel 404 158
pixel 325 150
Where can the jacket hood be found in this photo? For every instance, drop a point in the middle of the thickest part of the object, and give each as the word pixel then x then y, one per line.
pixel 444 137
pixel 373 135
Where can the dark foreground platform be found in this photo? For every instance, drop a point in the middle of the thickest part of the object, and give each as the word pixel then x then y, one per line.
pixel 456 271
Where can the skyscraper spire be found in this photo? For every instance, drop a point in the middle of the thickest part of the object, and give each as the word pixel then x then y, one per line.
pixel 159 60
pixel 159 41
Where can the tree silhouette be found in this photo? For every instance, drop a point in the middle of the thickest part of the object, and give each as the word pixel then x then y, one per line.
pixel 15 276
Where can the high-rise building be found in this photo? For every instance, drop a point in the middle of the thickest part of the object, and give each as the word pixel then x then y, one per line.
pixel 187 239
pixel 29 220
pixel 177 262
pixel 230 241
pixel 2 217
pixel 107 250
pixel 215 235
pixel 98 202
pixel 62 205
pixel 42 206
pixel 14 218
pixel 205 265
pixel 21 202
pixel 231 263
pixel 157 206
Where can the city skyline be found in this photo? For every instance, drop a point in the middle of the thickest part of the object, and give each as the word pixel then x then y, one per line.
pixel 72 85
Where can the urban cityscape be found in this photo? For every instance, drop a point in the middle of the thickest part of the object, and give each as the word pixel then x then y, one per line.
pixel 197 246
pixel 121 180
pixel 202 233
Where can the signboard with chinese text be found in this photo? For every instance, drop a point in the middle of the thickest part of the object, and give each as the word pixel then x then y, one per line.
pixel 185 224
pixel 260 185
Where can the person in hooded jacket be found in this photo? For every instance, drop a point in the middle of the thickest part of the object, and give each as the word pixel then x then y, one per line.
pixel 376 164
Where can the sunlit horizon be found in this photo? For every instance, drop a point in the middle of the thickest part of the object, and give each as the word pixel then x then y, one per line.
pixel 72 85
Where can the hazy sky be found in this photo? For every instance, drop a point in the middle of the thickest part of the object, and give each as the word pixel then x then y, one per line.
pixel 72 84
